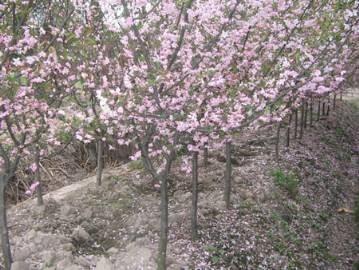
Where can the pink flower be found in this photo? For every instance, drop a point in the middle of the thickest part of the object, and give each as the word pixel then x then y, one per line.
pixel 33 167
pixel 32 188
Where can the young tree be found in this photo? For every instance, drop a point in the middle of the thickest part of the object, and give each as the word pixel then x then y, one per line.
pixel 29 63
pixel 233 61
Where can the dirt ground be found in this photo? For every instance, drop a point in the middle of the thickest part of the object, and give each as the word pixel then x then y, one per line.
pixel 294 214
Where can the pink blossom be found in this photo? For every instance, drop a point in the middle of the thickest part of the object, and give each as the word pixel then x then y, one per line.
pixel 33 167
pixel 32 188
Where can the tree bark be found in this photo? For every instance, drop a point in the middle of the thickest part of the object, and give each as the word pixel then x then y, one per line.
pixel 301 132
pixel 228 176
pixel 205 156
pixel 335 102
pixel 305 114
pixel 162 248
pixel 91 153
pixel 296 124
pixel 162 177
pixel 194 229
pixel 318 112
pixel 311 112
pixel 288 130
pixel 5 243
pixel 328 107
pixel 323 109
pixel 39 197
pixel 277 142
pixel 99 169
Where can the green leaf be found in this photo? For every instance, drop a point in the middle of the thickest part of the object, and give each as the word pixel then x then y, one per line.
pixel 79 85
pixel 23 80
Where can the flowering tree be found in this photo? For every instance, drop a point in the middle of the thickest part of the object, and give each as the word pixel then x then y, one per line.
pixel 31 76
pixel 97 75
pixel 162 75
pixel 194 72
pixel 158 78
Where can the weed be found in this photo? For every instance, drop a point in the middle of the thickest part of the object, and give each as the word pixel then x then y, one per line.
pixel 287 181
pixel 136 164
pixel 246 207
pixel 317 221
pixel 219 256
pixel 316 224
pixel 285 239
pixel 324 216
pixel 216 254
pixel 320 249
pixel 328 164
pixel 305 201
pixel 339 132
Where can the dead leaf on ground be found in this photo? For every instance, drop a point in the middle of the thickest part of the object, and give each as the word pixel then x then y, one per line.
pixel 344 210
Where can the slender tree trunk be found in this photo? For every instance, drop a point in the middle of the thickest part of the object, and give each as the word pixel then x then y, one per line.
pixel 99 162
pixel 40 200
pixel 91 152
pixel 328 107
pixel 296 123
pixel 162 247
pixel 288 130
pixel 301 132
pixel 311 112
pixel 5 243
pixel 335 102
pixel 228 176
pixel 194 195
pixel 318 112
pixel 323 108
pixel 205 155
pixel 341 96
pixel 277 142
pixel 305 114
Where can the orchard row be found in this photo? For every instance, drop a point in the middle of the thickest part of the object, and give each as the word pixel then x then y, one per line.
pixel 161 75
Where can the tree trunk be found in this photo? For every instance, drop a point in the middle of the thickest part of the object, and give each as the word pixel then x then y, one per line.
pixel 335 102
pixel 341 96
pixel 311 112
pixel 318 112
pixel 296 124
pixel 323 109
pixel 5 243
pixel 194 195
pixel 91 154
pixel 328 107
pixel 205 155
pixel 305 114
pixel 40 200
pixel 228 176
pixel 288 130
pixel 301 132
pixel 162 247
pixel 277 143
pixel 99 162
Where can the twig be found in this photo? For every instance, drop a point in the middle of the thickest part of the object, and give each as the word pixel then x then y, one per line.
pixel 46 171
